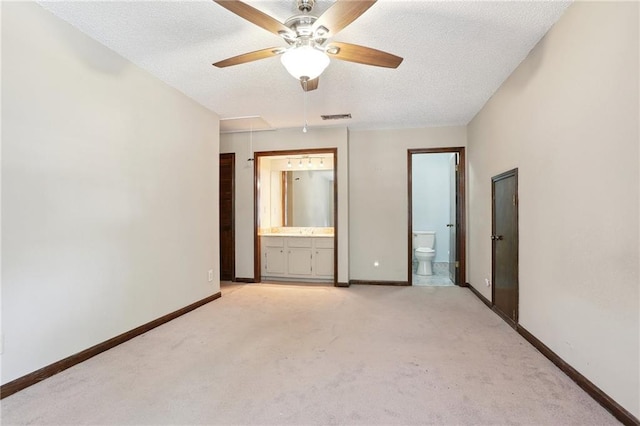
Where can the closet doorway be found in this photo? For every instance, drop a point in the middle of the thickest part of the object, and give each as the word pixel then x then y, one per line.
pixel 504 242
pixel 227 215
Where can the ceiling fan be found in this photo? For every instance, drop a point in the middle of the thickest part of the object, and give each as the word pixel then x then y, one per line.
pixel 308 36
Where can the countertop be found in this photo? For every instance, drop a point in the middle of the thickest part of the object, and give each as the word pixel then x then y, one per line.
pixel 297 234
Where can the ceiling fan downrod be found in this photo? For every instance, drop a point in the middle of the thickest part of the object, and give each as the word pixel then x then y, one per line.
pixel 305 6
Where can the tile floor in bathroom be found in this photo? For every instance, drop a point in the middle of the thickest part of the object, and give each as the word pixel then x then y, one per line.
pixel 440 277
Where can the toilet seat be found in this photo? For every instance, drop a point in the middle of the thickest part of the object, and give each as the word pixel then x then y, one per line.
pixel 424 250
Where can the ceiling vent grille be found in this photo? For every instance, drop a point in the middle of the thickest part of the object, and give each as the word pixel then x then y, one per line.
pixel 336 117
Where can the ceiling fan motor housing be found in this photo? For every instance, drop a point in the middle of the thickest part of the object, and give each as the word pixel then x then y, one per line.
pixel 301 25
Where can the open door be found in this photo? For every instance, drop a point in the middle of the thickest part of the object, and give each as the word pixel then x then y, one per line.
pixel 504 189
pixel 453 220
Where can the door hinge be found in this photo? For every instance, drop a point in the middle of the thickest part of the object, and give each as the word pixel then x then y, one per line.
pixel 456 167
pixel 457 264
pixel 514 200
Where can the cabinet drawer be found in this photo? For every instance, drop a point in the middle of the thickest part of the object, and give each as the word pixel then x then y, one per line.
pixel 299 242
pixel 273 241
pixel 323 242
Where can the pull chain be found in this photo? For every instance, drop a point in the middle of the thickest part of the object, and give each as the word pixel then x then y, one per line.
pixel 305 128
pixel 250 142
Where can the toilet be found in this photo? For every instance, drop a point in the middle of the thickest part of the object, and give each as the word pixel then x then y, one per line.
pixel 423 243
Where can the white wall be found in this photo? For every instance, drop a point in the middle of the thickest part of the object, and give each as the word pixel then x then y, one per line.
pixel 378 197
pixel 431 198
pixel 109 185
pixel 568 120
pixel 287 139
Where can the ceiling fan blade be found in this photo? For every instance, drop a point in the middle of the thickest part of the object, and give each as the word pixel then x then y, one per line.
pixel 362 55
pixel 255 16
pixel 341 14
pixel 310 85
pixel 249 57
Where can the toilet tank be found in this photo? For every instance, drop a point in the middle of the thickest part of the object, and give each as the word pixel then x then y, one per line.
pixel 424 239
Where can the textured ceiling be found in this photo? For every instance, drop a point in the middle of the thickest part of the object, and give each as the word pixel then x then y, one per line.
pixel 456 54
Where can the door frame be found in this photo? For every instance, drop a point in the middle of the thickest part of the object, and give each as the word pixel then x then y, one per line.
pixel 461 231
pixel 513 322
pixel 232 156
pixel 257 261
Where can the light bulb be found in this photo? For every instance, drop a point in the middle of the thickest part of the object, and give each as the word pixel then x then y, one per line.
pixel 288 163
pixel 305 62
pixel 309 165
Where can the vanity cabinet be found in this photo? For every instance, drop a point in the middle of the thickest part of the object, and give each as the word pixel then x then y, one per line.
pixel 273 257
pixel 323 258
pixel 297 258
pixel 299 262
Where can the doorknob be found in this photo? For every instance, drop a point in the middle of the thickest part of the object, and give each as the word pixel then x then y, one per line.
pixel 497 237
pixel 449 225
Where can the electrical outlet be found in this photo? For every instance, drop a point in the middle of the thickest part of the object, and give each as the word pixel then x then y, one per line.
pixel 487 282
pixel 210 275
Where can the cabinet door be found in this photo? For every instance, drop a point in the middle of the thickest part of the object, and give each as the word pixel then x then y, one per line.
pixel 323 262
pixel 274 261
pixel 299 261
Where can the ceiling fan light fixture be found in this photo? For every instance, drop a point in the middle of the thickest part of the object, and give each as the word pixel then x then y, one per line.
pixel 305 62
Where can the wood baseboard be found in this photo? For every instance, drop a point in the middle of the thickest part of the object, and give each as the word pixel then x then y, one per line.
pixel 366 282
pixel 594 392
pixel 339 284
pixel 479 295
pixel 244 280
pixel 45 372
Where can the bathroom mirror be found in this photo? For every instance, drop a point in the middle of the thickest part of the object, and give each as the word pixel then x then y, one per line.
pixel 307 198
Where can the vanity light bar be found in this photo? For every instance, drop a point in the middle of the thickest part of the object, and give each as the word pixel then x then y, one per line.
pixel 309 162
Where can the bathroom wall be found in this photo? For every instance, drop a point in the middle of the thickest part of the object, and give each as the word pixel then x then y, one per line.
pixel 109 193
pixel 568 119
pixel 379 196
pixel 431 198
pixel 278 140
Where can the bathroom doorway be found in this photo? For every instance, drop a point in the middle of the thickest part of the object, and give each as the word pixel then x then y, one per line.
pixel 436 217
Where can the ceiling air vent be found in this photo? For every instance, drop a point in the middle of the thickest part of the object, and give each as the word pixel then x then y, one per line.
pixel 336 117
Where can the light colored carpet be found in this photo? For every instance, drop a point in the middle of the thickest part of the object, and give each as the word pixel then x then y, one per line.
pixel 284 354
